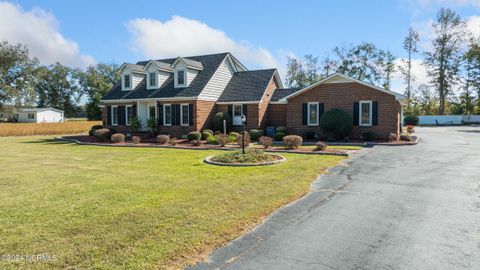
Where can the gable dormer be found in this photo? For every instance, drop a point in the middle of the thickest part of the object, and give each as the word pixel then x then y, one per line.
pixel 185 70
pixel 132 75
pixel 157 73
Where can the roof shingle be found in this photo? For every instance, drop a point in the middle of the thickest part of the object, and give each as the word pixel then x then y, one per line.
pixel 247 85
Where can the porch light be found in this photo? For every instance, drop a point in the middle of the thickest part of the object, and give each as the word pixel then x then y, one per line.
pixel 244 119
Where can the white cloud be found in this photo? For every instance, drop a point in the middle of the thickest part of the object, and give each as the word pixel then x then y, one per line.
pixel 418 7
pixel 473 24
pixel 181 36
pixel 418 71
pixel 39 30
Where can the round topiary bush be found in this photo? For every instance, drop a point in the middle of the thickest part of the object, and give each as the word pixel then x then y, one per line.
pixel 368 136
pixel 218 120
pixel 211 140
pixel 292 141
pixel 102 134
pixel 278 136
pixel 320 146
pixel 163 139
pixel 255 134
pixel 336 123
pixel 309 135
pixel 206 133
pixel 411 119
pixel 136 139
pixel 194 135
pixel 118 138
pixel 281 129
pixel 246 139
pixel 93 128
pixel 265 141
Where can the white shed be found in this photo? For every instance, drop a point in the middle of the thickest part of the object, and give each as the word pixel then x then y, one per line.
pixel 38 115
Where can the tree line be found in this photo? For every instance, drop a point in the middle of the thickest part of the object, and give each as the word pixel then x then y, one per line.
pixel 26 83
pixel 452 62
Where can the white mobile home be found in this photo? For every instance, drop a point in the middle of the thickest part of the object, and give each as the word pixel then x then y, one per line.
pixel 37 115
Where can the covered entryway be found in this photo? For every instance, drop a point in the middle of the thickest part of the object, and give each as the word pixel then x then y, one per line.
pixel 146 110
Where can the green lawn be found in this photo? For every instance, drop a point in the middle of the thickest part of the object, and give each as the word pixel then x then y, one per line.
pixel 133 208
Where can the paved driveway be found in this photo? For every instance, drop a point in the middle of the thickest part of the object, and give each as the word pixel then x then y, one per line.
pixel 410 207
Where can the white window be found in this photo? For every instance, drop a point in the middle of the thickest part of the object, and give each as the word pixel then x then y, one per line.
pixel 167 115
pixel 181 77
pixel 313 113
pixel 31 116
pixel 127 81
pixel 365 112
pixel 114 115
pixel 128 114
pixel 185 114
pixel 152 79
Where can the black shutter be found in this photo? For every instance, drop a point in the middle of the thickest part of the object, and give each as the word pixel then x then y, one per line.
pixel 304 113
pixel 109 115
pixel 121 115
pixel 355 113
pixel 176 109
pixel 134 110
pixel 230 110
pixel 374 113
pixel 245 111
pixel 160 114
pixel 190 114
pixel 321 110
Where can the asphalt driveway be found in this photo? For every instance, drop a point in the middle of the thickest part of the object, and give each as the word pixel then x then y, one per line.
pixel 409 207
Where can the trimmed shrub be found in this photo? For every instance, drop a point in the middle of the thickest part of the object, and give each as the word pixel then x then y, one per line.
pixel 392 137
pixel 135 124
pixel 211 140
pixel 113 130
pixel 255 134
pixel 93 128
pixel 281 129
pixel 221 139
pixel 163 139
pixel 405 137
pixel 118 138
pixel 278 136
pixel 368 136
pixel 410 129
pixel 246 139
pixel 320 146
pixel 136 139
pixel 265 141
pixel 102 134
pixel 411 119
pixel 292 141
pixel 217 132
pixel 206 133
pixel 196 142
pixel 309 135
pixel 336 123
pixel 173 141
pixel 233 133
pixel 232 138
pixel 194 135
pixel 218 120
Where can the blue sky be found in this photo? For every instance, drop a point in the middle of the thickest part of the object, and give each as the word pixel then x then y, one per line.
pixel 260 33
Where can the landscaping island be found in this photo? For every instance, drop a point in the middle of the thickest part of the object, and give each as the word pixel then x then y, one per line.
pixel 252 157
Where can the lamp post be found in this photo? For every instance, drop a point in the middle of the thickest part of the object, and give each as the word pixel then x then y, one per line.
pixel 244 120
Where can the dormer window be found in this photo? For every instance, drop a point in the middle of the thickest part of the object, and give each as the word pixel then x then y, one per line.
pixel 181 80
pixel 152 79
pixel 127 82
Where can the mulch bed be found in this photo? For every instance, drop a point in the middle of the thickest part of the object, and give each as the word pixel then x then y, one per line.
pixel 185 144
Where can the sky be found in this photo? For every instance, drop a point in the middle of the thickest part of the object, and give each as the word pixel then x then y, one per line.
pixel 261 34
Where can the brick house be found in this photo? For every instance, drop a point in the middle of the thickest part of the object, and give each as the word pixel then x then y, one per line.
pixel 183 94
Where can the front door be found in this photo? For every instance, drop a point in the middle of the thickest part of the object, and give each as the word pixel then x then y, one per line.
pixel 237 115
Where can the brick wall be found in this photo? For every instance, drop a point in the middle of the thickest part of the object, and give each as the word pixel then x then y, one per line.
pixel 277 115
pixel 342 96
pixel 263 105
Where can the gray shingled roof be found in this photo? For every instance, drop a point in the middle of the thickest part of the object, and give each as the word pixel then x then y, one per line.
pixel 283 92
pixel 192 63
pixel 210 64
pixel 163 65
pixel 247 85
pixel 135 67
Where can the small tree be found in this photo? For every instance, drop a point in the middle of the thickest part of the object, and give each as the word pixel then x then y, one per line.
pixel 135 124
pixel 336 123
pixel 152 125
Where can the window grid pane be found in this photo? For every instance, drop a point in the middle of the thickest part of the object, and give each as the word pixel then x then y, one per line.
pixel 181 77
pixel 168 115
pixel 127 81
pixel 313 113
pixel 129 115
pixel 115 115
pixel 185 114
pixel 153 78
pixel 365 114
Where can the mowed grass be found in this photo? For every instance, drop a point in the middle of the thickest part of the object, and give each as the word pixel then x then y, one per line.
pixel 28 129
pixel 133 208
